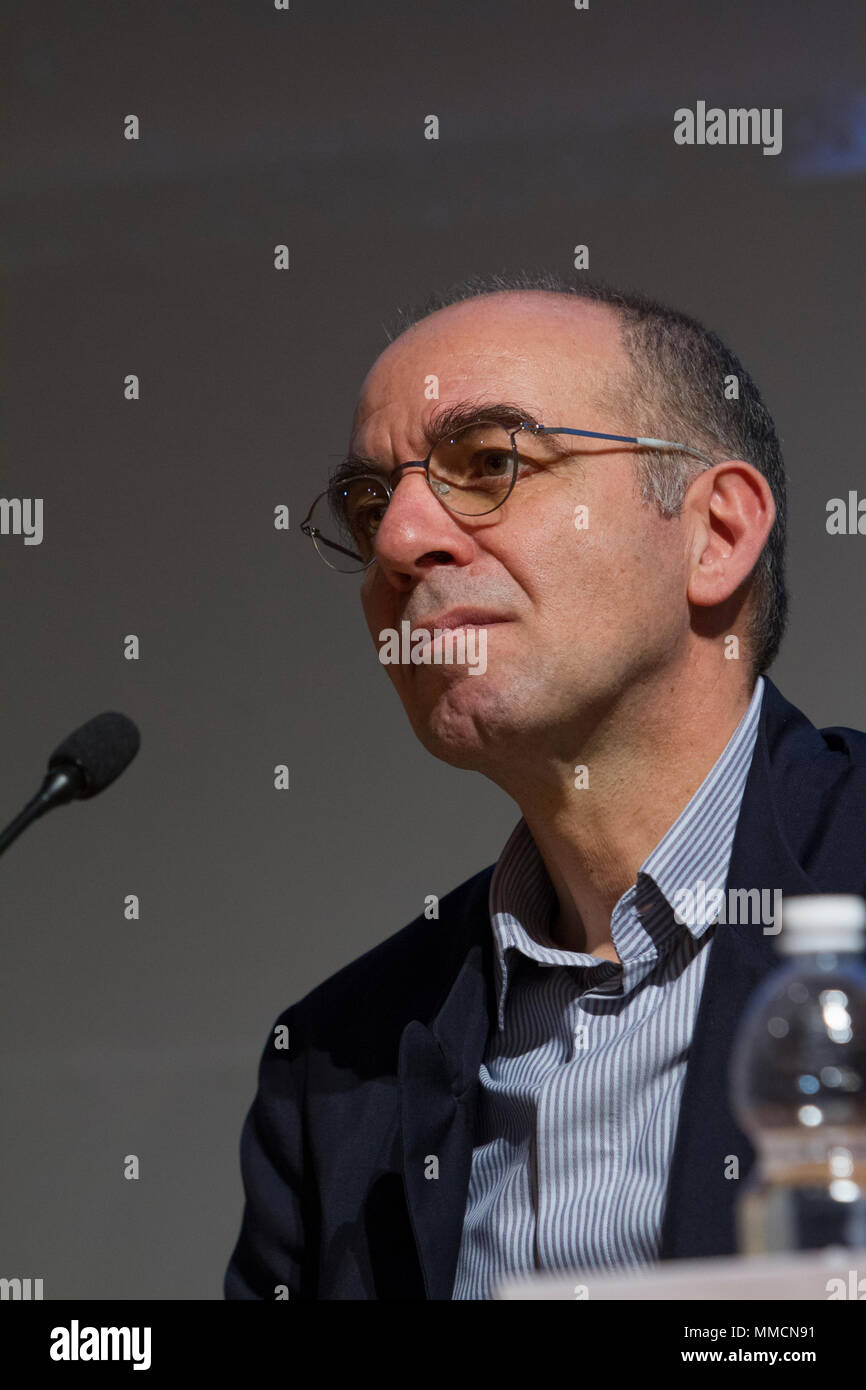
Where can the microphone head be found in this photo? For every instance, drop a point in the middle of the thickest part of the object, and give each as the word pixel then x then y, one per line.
pixel 100 749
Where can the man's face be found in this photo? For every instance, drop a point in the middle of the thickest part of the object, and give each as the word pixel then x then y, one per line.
pixel 584 613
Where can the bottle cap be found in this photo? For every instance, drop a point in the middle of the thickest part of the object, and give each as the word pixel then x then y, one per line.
pixel 822 922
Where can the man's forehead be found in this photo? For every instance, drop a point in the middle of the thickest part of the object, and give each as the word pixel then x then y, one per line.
pixel 527 345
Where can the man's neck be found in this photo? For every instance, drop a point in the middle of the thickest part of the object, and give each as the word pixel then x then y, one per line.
pixel 643 767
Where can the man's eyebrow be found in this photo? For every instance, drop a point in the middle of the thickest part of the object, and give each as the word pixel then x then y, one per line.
pixel 446 419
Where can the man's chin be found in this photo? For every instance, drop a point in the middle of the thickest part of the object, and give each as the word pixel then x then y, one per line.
pixel 461 720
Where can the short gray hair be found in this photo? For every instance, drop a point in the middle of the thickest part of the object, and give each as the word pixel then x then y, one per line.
pixel 678 370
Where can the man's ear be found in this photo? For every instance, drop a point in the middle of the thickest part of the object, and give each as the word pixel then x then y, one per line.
pixel 731 511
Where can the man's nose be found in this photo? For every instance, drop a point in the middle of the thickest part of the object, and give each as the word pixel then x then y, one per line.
pixel 417 526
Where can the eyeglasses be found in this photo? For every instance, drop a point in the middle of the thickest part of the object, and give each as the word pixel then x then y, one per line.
pixel 471 471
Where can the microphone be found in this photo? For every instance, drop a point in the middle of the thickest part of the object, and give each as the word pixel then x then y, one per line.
pixel 83 764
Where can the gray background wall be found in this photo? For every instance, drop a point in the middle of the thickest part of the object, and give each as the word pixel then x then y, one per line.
pixel 155 257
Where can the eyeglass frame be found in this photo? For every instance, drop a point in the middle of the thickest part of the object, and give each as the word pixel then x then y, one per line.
pixel 645 441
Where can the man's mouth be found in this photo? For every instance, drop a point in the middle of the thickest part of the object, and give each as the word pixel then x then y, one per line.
pixel 460 618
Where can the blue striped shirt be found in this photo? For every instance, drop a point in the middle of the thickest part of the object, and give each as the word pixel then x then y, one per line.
pixel 581 1080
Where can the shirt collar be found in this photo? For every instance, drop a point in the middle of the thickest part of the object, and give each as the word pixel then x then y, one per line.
pixel 692 858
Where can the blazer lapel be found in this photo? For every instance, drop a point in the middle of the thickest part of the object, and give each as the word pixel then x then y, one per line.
pixel 438 1070
pixel 699 1215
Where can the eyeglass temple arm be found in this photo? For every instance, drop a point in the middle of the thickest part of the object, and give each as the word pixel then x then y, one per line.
pixel 316 535
pixel 622 438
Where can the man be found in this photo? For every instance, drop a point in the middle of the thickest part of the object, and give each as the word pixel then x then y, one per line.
pixel 537 1078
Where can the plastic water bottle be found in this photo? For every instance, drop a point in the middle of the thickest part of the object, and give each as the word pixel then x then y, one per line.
pixel 798 1084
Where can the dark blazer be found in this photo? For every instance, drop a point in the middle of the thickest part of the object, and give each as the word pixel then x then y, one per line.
pixel 382 1068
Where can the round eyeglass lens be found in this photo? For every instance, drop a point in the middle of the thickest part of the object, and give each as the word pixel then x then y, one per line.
pixel 344 522
pixel 472 471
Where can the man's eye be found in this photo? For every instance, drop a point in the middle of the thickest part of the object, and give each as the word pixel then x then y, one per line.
pixel 493 465
pixel 367 520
